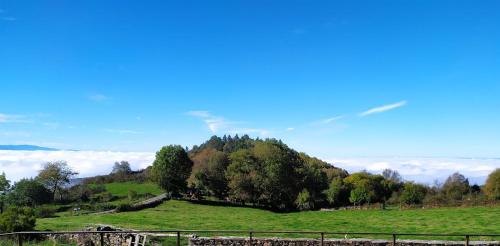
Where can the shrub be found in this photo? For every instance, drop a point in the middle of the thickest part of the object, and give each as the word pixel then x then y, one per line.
pixel 17 219
pixel 132 195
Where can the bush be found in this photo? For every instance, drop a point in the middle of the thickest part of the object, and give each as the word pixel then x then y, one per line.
pixel 17 219
pixel 45 212
pixel 132 195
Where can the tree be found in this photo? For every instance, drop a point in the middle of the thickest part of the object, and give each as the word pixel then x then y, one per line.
pixel 335 192
pixel 29 192
pixel 216 181
pixel 55 175
pixel 122 167
pixel 279 177
pixel 413 193
pixel 492 185
pixel 456 186
pixel 17 219
pixel 359 195
pixel 171 169
pixel 242 175
pixel 304 200
pixel 4 188
pixel 392 175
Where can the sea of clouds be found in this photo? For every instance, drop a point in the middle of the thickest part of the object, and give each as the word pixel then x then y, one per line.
pixel 22 164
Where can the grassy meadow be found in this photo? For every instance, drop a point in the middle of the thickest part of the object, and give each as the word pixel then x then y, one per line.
pixel 185 215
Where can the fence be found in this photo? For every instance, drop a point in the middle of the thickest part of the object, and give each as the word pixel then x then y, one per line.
pixel 251 234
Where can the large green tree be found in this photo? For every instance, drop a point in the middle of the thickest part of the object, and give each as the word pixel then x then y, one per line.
pixel 492 185
pixel 280 179
pixel 55 175
pixel 29 192
pixel 171 169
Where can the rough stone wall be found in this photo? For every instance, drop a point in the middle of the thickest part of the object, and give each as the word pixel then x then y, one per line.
pixel 94 239
pixel 329 242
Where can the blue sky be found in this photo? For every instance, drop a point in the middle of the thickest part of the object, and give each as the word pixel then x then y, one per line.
pixel 332 78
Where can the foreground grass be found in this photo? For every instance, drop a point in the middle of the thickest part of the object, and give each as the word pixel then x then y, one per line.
pixel 185 215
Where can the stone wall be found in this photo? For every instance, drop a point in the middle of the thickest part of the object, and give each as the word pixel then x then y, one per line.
pixel 94 239
pixel 330 242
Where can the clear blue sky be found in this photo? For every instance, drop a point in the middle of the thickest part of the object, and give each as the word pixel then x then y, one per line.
pixel 332 78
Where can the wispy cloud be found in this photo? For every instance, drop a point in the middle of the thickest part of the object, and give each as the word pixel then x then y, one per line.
pixel 217 124
pixel 12 118
pixel 98 97
pixel 122 131
pixel 289 129
pixel 330 120
pixel 383 108
pixel 15 134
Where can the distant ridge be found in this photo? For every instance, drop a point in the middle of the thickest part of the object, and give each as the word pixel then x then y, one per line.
pixel 26 147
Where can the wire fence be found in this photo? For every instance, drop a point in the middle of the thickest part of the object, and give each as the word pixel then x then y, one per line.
pixel 250 235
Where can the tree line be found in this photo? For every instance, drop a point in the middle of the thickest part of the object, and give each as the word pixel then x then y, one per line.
pixel 267 173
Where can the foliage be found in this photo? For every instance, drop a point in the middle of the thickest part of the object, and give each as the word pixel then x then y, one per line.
pixel 124 207
pixel 359 195
pixel 17 219
pixel 336 193
pixel 492 186
pixel 4 188
pixel 54 175
pixel 413 193
pixel 29 192
pixel 304 200
pixel 216 181
pixel 456 186
pixel 132 195
pixel 243 174
pixel 171 169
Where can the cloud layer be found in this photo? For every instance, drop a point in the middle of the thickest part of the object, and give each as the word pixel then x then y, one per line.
pixel 423 169
pixel 23 164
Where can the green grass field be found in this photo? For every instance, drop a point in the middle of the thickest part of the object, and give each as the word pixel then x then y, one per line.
pixel 185 215
pixel 121 189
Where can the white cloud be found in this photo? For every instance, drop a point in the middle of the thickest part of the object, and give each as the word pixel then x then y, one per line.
pixel 12 118
pixel 98 97
pixel 422 169
pixel 289 129
pixel 383 108
pixel 22 164
pixel 217 124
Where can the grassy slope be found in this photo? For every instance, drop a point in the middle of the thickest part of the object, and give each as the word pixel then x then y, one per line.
pixel 184 215
pixel 121 189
